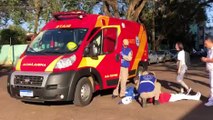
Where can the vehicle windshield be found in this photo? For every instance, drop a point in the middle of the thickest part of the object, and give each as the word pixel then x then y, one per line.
pixel 160 52
pixel 57 41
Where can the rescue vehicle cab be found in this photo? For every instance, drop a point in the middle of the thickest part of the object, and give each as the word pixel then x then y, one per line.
pixel 74 55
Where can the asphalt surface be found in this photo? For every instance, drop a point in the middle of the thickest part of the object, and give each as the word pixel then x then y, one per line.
pixel 104 108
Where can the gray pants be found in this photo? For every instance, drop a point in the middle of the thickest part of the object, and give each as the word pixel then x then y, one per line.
pixel 183 70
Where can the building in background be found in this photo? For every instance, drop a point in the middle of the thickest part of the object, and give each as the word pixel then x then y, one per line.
pixel 201 30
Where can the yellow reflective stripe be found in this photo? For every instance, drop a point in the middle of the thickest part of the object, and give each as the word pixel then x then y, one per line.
pixel 18 65
pixel 99 21
pixel 52 64
pixel 114 26
pixel 143 40
pixel 89 62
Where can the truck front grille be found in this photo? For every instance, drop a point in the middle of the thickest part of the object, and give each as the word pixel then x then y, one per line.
pixel 28 80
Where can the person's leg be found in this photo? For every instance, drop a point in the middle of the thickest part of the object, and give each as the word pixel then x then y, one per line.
pixel 177 97
pixel 143 99
pixel 157 90
pixel 116 90
pixel 210 101
pixel 180 79
pixel 211 85
pixel 124 78
pixel 183 84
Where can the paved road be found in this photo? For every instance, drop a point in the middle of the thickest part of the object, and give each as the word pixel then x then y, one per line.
pixel 103 107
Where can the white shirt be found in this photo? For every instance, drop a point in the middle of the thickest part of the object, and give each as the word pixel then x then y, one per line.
pixel 181 57
pixel 210 55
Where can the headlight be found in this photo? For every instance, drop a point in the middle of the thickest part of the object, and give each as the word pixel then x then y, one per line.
pixel 66 62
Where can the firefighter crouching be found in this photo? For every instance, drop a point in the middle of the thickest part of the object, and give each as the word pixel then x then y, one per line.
pixel 126 57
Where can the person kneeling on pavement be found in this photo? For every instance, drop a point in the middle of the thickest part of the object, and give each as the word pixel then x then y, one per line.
pixel 147 87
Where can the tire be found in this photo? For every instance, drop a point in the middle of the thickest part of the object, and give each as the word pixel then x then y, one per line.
pixel 164 60
pixel 157 61
pixel 83 92
pixel 142 66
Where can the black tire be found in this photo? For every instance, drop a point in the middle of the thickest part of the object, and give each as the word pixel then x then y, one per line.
pixel 142 66
pixel 79 98
pixel 164 60
pixel 157 61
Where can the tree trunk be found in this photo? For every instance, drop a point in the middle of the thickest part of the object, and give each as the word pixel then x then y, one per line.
pixel 114 5
pixel 138 11
pixel 153 27
pixel 130 11
pixel 133 12
pixel 106 9
pixel 38 9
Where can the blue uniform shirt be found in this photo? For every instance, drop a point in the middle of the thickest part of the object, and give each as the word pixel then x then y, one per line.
pixel 125 51
pixel 147 83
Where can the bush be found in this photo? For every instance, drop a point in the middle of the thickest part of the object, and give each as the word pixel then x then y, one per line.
pixel 15 33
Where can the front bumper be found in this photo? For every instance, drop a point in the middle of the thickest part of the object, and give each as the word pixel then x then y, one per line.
pixel 54 86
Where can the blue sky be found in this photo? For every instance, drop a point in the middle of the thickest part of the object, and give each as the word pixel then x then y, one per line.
pixel 209 12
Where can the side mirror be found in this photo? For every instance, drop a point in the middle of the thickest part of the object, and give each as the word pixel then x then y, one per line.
pixel 93 50
pixel 86 51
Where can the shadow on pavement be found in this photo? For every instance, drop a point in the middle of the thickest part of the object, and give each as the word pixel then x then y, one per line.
pixel 197 81
pixel 61 103
pixel 200 112
pixel 4 70
pixel 169 85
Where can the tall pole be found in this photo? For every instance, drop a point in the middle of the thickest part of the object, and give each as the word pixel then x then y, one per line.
pixel 153 27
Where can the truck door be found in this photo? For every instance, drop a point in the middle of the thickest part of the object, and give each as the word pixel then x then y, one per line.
pixel 110 66
pixel 107 60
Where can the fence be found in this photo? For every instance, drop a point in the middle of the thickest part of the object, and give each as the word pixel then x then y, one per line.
pixel 9 54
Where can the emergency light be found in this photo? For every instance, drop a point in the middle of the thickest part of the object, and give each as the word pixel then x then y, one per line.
pixel 69 15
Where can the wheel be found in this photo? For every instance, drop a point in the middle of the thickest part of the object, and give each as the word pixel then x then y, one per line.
pixel 164 60
pixel 157 61
pixel 83 92
pixel 142 66
pixel 139 70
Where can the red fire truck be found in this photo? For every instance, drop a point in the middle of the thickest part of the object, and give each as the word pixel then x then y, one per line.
pixel 74 55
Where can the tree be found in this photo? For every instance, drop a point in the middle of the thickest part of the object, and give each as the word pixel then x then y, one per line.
pixel 13 34
pixel 167 20
pixel 173 19
pixel 111 8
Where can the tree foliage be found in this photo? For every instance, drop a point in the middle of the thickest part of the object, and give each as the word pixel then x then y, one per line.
pixel 13 35
pixel 170 19
pixel 173 19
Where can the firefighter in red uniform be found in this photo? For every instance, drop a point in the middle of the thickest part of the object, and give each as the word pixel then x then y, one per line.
pixel 126 57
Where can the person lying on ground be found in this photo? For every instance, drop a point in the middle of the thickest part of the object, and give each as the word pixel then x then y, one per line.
pixel 144 91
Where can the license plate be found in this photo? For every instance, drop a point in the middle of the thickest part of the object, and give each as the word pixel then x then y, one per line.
pixel 26 93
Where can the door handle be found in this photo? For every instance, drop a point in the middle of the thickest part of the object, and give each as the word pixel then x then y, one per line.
pixel 117 57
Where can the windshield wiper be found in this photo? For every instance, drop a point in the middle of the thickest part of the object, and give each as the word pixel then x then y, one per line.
pixel 34 51
pixel 53 52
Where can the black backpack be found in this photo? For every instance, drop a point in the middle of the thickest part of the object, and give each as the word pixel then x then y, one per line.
pixel 187 59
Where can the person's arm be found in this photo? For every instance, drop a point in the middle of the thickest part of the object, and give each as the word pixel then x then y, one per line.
pixel 207 60
pixel 137 83
pixel 129 57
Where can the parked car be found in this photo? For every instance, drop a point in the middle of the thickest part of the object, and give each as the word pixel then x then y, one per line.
pixel 168 55
pixel 164 55
pixel 173 54
pixel 153 57
pixel 200 53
